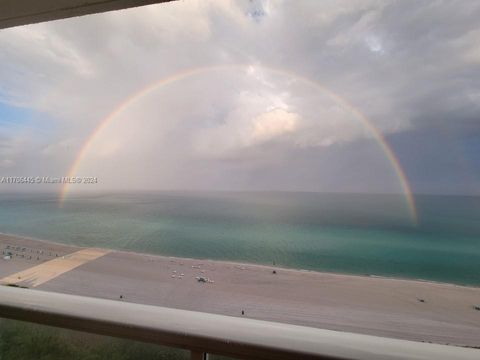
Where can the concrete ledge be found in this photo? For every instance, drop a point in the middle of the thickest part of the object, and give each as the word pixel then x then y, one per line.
pixel 22 12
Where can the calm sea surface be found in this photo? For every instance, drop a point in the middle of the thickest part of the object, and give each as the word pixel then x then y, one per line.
pixel 356 234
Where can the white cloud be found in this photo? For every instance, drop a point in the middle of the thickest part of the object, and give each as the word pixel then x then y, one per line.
pixel 273 124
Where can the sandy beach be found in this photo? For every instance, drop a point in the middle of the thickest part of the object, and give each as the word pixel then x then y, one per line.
pixel 406 309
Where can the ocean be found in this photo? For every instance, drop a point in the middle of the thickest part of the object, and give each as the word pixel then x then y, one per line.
pixel 360 234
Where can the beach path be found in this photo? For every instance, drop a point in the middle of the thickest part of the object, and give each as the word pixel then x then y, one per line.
pixel 49 270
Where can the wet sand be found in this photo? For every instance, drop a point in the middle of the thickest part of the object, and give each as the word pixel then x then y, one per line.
pixel 406 309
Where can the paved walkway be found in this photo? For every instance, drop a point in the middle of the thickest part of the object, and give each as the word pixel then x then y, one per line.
pixel 39 274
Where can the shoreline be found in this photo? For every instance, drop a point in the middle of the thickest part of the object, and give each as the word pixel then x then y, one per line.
pixel 233 262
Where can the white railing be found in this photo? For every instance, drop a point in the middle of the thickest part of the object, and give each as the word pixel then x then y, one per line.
pixel 204 333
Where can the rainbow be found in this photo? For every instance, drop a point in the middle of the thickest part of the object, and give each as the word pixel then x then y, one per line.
pixel 377 135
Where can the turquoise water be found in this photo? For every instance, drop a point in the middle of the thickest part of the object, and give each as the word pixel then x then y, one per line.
pixel 357 234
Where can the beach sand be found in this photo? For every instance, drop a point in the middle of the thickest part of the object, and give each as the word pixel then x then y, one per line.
pixel 406 309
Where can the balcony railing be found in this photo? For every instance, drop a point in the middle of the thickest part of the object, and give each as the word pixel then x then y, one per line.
pixel 204 333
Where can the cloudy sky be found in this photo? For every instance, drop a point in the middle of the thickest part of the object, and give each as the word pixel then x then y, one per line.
pixel 263 95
